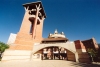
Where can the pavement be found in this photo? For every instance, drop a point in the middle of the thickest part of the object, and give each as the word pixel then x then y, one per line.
pixel 46 63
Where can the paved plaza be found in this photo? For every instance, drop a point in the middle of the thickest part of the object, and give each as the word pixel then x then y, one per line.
pixel 46 63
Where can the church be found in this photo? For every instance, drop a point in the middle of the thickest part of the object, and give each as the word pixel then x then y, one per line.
pixel 28 43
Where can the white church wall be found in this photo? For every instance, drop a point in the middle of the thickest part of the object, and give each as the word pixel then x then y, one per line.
pixel 12 38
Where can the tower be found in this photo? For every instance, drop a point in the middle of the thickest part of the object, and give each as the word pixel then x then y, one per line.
pixel 31 28
pixel 30 32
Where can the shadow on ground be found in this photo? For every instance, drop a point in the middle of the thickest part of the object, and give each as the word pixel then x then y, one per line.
pixel 74 64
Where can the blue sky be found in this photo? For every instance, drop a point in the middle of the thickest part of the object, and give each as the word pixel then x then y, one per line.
pixel 78 19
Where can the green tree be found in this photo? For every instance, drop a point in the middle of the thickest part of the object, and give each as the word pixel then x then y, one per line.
pixel 3 46
pixel 92 53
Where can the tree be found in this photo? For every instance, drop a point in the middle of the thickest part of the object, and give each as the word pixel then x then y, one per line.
pixel 92 53
pixel 3 46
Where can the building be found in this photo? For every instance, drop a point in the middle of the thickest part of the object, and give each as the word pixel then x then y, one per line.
pixel 28 43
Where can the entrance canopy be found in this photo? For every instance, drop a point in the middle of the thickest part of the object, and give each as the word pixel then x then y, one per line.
pixel 68 45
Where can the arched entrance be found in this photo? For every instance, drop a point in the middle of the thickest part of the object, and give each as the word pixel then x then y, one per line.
pixel 69 49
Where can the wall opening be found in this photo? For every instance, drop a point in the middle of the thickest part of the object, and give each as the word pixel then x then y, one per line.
pixel 54 53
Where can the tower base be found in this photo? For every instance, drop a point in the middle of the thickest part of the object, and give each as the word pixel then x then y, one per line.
pixel 16 55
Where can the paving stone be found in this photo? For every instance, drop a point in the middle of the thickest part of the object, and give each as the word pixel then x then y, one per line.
pixel 46 63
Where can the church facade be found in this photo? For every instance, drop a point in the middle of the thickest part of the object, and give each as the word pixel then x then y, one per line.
pixel 28 43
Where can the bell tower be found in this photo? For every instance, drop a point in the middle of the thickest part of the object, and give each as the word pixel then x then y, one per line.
pixel 31 28
pixel 30 32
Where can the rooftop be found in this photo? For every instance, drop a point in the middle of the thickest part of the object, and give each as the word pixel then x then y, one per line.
pixel 55 37
pixel 32 4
